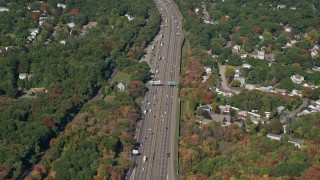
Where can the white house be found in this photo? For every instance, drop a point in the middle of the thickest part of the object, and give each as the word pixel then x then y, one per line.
pixel 248 66
pixel 121 86
pixel 281 6
pixel 71 25
pixel 208 70
pixel 3 9
pixel 261 55
pixel 274 136
pixel 22 76
pixel 63 6
pixel 130 18
pixel 250 86
pixel 297 78
pixel 236 48
pixel 295 92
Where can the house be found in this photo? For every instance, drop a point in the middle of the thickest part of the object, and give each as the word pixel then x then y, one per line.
pixel 247 66
pixel 281 6
pixel 297 78
pixel 308 85
pixel 287 29
pixel 205 107
pixel 236 49
pixel 121 86
pixel 90 25
pixel 242 115
pixel 267 114
pixel 293 8
pixel 38 90
pixel 208 70
pixel 130 18
pixel 63 6
pixel 225 109
pixel 71 25
pixel 63 42
pixel 3 9
pixel 274 136
pixel 22 76
pixel 242 56
pixel 280 91
pixel 297 142
pixel 265 89
pixel 250 86
pixel 261 55
pixel 280 109
pixel 295 92
pixel 196 10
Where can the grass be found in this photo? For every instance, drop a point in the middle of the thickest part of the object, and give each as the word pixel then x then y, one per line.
pixel 121 76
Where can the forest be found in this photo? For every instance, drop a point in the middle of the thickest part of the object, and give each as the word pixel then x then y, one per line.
pixel 69 65
pixel 219 151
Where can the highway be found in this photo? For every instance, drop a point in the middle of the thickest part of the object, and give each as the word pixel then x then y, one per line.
pixel 157 133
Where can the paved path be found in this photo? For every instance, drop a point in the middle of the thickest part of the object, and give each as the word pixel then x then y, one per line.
pixel 224 84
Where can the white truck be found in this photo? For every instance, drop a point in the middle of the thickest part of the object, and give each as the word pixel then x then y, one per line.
pixel 144 159
pixel 155 83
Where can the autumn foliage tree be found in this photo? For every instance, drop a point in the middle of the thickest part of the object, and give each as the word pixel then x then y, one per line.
pixel 74 11
pixel 43 7
pixel 136 88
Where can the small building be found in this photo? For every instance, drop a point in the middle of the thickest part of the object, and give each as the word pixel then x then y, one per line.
pixel 121 86
pixel 295 92
pixel 236 49
pixel 63 6
pixel 247 66
pixel 71 25
pixel 280 91
pixel 208 71
pixel 250 86
pixel 297 142
pixel 205 107
pixel 242 115
pixel 274 136
pixel 38 90
pixel 225 109
pixel 90 25
pixel 4 9
pixel 130 18
pixel 297 78
pixel 280 109
pixel 22 76
pixel 281 6
pixel 261 55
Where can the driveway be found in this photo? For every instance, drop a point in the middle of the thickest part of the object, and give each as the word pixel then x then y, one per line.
pixel 305 102
pixel 224 84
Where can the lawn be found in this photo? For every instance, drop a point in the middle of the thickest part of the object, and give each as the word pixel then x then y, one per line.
pixel 121 76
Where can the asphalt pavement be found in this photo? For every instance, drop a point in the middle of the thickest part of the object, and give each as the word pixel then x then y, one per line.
pixel 157 129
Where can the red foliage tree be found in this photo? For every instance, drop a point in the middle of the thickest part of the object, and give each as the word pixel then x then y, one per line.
pixel 256 29
pixel 48 122
pixel 35 16
pixel 74 11
pixel 43 7
pixel 304 52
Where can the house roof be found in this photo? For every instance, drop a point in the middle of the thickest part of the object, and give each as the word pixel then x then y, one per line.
pixel 297 76
pixel 273 135
pixel 296 140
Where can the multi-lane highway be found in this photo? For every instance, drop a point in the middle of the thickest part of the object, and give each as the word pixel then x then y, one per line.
pixel 158 128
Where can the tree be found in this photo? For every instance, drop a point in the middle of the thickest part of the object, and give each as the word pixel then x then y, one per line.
pixel 276 126
pixel 235 60
pixel 136 88
pixel 235 83
pixel 229 72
